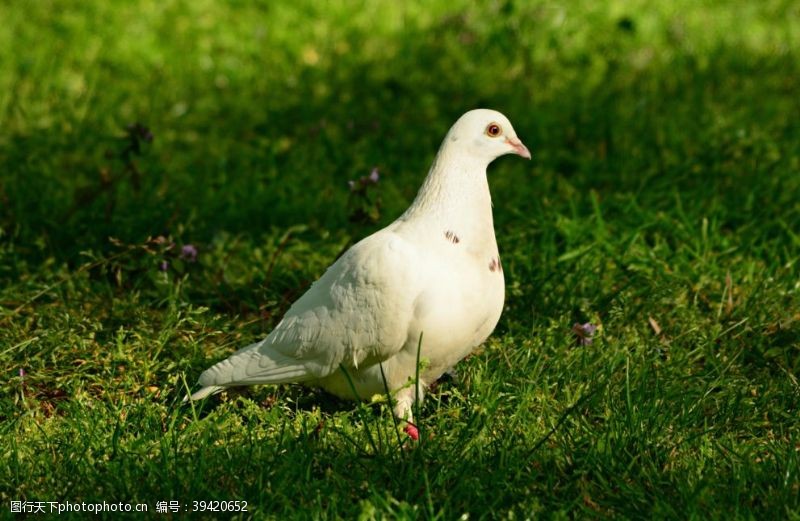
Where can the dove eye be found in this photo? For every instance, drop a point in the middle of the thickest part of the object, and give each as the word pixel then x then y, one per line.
pixel 493 130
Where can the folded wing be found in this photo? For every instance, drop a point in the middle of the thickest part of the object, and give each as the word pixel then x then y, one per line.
pixel 359 312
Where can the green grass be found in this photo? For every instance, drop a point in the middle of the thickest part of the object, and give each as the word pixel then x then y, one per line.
pixel 662 203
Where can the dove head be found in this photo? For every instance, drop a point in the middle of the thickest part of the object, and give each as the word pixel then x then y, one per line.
pixel 485 135
pixel 456 185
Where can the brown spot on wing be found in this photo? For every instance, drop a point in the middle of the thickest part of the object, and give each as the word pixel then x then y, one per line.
pixel 495 265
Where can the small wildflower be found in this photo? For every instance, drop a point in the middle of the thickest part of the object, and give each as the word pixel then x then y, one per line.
pixel 374 175
pixel 584 332
pixel 365 180
pixel 164 266
pixel 189 252
pixel 140 131
pixel 22 373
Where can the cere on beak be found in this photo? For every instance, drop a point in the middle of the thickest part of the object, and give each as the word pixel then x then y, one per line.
pixel 519 148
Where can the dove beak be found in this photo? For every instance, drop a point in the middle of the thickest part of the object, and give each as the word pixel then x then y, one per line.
pixel 518 148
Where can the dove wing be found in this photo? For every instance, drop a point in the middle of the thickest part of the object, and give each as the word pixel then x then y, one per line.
pixel 359 312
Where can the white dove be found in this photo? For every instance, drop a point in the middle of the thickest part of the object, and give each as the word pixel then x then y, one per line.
pixel 433 274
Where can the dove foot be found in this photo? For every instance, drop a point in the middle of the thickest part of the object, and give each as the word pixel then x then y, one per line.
pixel 404 402
pixel 412 431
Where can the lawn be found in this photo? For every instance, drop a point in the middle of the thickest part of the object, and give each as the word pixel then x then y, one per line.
pixel 662 205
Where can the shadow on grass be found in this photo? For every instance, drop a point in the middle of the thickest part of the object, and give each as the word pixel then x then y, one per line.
pixel 245 160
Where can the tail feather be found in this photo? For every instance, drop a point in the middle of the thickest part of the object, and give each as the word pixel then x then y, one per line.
pixel 248 366
pixel 203 393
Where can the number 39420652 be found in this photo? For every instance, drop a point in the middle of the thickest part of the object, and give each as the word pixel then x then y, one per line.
pixel 219 506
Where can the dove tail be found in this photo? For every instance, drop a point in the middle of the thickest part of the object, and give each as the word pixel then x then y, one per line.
pixel 204 393
pixel 252 365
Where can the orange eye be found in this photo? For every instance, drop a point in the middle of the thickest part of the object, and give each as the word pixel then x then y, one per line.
pixel 493 130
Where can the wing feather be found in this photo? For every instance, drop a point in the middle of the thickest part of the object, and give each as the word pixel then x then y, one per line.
pixel 358 312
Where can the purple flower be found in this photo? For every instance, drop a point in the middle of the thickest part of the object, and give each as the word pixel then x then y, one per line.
pixel 189 252
pixel 164 266
pixel 22 373
pixel 374 176
pixel 141 131
pixel 584 332
pixel 366 180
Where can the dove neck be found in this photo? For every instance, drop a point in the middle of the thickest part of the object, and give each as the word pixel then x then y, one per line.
pixel 455 193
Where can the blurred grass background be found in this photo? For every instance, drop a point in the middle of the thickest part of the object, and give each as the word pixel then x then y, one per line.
pixel 662 202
